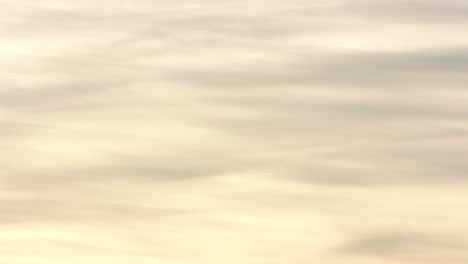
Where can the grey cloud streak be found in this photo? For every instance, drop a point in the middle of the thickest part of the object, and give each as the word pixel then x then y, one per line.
pixel 412 247
pixel 432 11
pixel 384 70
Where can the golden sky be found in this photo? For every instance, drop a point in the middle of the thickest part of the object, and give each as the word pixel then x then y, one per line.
pixel 234 132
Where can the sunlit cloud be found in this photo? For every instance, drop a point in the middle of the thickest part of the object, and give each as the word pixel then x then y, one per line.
pixel 246 132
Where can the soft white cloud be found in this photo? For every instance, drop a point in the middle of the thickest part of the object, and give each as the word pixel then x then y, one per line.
pixel 244 132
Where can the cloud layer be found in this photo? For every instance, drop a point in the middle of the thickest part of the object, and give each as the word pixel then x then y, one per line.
pixel 245 132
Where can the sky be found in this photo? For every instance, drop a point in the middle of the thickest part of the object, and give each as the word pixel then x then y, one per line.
pixel 234 132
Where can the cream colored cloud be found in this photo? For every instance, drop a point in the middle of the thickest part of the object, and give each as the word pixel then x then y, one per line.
pixel 244 132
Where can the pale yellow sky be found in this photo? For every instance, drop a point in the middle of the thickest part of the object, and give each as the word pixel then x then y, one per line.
pixel 234 132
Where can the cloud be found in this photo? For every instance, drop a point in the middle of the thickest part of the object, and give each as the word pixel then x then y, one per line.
pixel 411 247
pixel 228 131
pixel 432 11
pixel 372 70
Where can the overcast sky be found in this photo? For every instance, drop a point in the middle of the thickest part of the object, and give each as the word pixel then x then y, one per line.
pixel 234 132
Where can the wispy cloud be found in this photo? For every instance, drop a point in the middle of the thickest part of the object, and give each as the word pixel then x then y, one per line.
pixel 258 131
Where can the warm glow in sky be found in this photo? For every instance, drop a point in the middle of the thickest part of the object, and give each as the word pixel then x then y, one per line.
pixel 234 132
